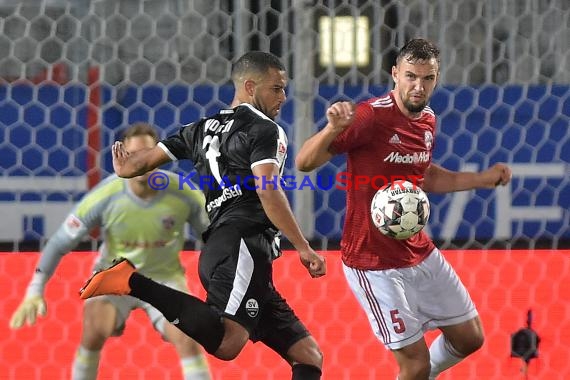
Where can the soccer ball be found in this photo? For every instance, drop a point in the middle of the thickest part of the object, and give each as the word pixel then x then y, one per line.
pixel 400 210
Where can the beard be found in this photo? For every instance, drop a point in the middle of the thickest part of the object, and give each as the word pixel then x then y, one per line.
pixel 266 112
pixel 414 108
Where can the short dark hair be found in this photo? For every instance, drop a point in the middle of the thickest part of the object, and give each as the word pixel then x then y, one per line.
pixel 418 49
pixel 255 62
pixel 140 129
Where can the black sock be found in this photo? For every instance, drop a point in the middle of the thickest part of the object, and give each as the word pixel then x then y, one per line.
pixel 190 314
pixel 306 372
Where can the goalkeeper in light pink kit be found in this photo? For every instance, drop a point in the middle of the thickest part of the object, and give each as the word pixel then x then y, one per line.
pixel 405 286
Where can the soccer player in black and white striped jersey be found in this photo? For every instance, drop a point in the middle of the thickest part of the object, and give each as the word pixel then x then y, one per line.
pixel 240 152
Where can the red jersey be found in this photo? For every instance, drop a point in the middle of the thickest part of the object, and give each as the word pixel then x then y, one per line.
pixel 382 143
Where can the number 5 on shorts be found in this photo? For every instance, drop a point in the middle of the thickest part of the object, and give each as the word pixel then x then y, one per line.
pixel 397 322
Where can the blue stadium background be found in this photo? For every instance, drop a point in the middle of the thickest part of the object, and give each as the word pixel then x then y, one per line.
pixel 480 125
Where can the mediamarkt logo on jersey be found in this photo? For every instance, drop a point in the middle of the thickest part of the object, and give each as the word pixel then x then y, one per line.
pixel 414 158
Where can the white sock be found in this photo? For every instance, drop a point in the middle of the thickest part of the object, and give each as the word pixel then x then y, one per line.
pixel 442 356
pixel 195 368
pixel 85 364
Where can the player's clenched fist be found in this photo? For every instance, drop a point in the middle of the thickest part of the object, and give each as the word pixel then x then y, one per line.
pixel 315 263
pixel 28 311
pixel 340 115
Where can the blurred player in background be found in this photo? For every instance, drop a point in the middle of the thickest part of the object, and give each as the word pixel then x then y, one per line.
pixel 240 152
pixel 140 223
pixel 405 286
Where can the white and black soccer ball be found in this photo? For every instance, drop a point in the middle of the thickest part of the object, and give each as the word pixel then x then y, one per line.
pixel 400 210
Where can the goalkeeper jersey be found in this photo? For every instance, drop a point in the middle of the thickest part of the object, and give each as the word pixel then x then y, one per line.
pixel 150 233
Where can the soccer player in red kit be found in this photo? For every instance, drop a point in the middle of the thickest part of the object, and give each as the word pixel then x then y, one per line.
pixel 406 287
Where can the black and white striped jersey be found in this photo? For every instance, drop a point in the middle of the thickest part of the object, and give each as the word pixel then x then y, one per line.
pixel 224 149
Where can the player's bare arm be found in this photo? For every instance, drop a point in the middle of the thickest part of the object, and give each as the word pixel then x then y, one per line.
pixel 276 206
pixel 315 151
pixel 128 165
pixel 440 180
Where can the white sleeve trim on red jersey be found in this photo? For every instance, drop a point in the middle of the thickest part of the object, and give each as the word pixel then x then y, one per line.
pixel 383 102
pixel 429 110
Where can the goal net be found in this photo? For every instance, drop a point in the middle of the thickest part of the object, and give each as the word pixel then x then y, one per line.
pixel 74 74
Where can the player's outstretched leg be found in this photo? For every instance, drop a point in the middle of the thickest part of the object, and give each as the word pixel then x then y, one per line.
pixel 113 280
pixel 190 314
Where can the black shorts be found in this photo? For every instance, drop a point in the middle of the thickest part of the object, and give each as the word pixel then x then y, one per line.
pixel 236 271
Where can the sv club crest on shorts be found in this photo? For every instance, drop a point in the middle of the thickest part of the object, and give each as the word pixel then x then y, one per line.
pixel 252 307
